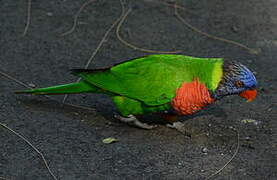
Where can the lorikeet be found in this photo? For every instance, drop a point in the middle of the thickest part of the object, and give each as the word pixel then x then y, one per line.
pixel 162 83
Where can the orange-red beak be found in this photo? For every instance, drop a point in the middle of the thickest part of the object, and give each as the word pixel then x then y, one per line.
pixel 250 95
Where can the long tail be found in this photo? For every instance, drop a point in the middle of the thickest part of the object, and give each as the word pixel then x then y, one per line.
pixel 78 87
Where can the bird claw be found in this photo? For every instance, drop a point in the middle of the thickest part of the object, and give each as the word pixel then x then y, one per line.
pixel 132 120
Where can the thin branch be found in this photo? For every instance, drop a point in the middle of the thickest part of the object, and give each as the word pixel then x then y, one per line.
pixel 253 51
pixel 76 18
pixel 3 178
pixel 73 105
pixel 228 162
pixel 33 147
pixel 103 40
pixel 15 80
pixel 133 46
pixel 28 18
pixel 100 44
pixel 177 6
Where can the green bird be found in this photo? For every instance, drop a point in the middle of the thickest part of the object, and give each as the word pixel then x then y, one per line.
pixel 171 84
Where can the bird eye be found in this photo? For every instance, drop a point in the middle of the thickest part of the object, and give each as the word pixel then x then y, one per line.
pixel 239 84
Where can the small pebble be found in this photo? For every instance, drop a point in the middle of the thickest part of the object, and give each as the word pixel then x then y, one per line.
pixel 32 85
pixel 231 127
pixel 256 123
pixel 205 150
pixel 247 138
pixel 234 29
pixel 49 14
pixel 82 23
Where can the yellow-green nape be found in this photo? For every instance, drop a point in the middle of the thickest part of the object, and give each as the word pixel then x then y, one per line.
pixel 217 74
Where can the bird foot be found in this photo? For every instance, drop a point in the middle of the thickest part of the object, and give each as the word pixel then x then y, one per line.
pixel 180 127
pixel 132 120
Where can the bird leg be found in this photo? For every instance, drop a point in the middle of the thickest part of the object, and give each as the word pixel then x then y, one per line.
pixel 180 127
pixel 132 120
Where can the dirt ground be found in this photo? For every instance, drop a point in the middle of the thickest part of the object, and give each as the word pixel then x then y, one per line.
pixel 71 138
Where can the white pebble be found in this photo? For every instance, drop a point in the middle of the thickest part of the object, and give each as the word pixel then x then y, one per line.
pixel 205 150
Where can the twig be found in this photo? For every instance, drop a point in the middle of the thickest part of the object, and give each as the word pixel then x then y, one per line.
pixel 28 18
pixel 25 85
pixel 76 18
pixel 33 147
pixel 15 80
pixel 228 162
pixel 177 6
pixel 73 105
pixel 133 46
pixel 3 178
pixel 100 44
pixel 103 40
pixel 253 51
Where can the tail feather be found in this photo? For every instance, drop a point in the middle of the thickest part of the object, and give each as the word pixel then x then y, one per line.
pixel 72 88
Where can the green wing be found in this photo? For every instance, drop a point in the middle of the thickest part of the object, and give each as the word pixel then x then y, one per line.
pixel 154 79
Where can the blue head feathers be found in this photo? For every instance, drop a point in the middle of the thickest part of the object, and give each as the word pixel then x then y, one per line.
pixel 236 79
pixel 247 77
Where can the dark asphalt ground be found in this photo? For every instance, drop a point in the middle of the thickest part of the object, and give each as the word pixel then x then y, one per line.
pixel 71 138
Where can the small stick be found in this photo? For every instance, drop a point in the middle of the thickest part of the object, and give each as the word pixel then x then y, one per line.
pixel 253 51
pixel 15 80
pixel 177 6
pixel 103 40
pixel 99 45
pixel 133 46
pixel 33 147
pixel 228 162
pixel 76 18
pixel 28 18
pixel 3 178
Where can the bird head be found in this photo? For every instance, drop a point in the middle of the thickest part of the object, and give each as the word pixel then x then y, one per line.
pixel 237 79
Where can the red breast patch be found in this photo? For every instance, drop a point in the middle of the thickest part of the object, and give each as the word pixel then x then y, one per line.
pixel 191 97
